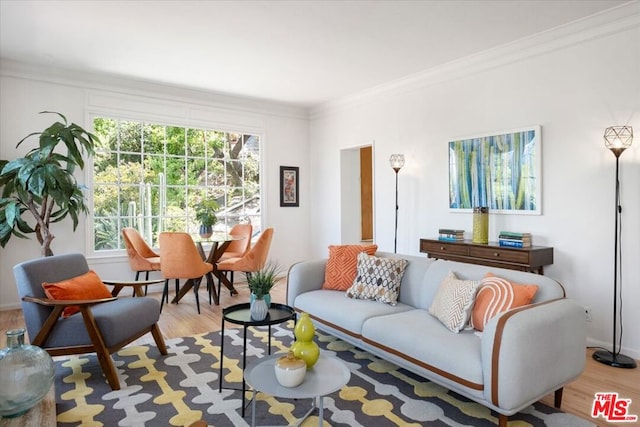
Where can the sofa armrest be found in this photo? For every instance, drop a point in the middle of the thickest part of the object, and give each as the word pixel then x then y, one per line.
pixel 303 277
pixel 531 351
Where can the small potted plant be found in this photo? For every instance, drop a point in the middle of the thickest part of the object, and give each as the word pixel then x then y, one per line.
pixel 260 283
pixel 206 214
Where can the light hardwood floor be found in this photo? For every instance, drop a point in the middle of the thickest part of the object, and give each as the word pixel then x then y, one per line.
pixel 183 320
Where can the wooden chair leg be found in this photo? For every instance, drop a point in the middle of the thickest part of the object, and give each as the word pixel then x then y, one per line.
pixel 502 420
pixel 102 352
pixel 557 401
pixel 159 339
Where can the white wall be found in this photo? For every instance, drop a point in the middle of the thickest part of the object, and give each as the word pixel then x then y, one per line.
pixel 574 82
pixel 25 91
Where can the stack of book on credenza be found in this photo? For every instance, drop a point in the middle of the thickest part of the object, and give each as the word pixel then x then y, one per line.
pixel 451 235
pixel 514 240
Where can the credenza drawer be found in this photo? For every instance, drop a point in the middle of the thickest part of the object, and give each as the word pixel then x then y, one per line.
pixel 506 255
pixel 444 248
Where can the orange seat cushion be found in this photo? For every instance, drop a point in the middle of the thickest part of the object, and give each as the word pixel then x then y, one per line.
pixel 84 287
pixel 497 295
pixel 342 265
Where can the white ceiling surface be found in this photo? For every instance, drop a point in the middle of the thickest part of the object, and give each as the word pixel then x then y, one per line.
pixel 297 52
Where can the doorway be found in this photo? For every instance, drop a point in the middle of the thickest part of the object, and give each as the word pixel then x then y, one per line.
pixel 356 194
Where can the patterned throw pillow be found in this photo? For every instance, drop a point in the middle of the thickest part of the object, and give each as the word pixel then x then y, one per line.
pixel 83 287
pixel 497 295
pixel 377 279
pixel 342 263
pixel 453 301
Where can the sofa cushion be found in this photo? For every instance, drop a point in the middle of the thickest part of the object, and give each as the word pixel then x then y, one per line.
pixel 453 301
pixel 497 295
pixel 377 279
pixel 344 313
pixel 415 334
pixel 341 265
pixel 86 286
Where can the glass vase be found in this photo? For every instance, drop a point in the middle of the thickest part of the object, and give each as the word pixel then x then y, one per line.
pixel 26 375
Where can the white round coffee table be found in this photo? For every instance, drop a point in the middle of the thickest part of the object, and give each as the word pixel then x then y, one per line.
pixel 329 374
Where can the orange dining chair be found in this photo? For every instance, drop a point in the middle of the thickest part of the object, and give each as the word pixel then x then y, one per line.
pixel 251 261
pixel 141 257
pixel 238 248
pixel 180 259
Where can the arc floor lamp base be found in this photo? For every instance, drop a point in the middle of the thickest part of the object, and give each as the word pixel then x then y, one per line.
pixel 616 361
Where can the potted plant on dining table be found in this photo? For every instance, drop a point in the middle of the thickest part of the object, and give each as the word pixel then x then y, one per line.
pixel 206 214
pixel 260 283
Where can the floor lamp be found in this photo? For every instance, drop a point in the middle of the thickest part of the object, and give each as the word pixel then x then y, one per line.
pixel 617 139
pixel 397 162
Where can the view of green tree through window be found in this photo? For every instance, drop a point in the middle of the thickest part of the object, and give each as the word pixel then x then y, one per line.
pixel 152 176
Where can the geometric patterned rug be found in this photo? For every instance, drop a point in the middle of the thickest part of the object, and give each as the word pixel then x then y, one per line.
pixel 182 387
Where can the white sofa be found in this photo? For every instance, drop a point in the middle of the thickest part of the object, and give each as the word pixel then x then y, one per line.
pixel 521 356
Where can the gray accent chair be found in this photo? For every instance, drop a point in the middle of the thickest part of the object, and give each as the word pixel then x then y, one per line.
pixel 102 326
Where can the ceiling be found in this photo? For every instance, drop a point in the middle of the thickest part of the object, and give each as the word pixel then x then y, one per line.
pixel 297 52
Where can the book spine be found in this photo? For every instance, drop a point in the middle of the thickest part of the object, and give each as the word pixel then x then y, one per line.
pixel 508 237
pixel 512 234
pixel 511 243
pixel 452 236
pixel 449 239
pixel 450 231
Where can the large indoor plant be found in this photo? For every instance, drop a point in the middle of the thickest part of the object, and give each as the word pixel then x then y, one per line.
pixel 42 183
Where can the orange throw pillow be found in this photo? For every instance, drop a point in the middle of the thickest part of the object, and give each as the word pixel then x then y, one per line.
pixel 85 286
pixel 497 295
pixel 342 265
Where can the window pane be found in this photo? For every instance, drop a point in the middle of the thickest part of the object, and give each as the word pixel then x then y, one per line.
pixel 106 233
pixel 107 130
pixel 175 141
pixel 105 200
pixel 196 142
pixel 154 138
pixel 130 137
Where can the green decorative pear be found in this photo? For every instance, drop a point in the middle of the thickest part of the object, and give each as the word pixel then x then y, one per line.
pixel 304 347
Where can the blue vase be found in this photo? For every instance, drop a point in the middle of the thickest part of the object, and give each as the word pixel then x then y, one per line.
pixel 26 375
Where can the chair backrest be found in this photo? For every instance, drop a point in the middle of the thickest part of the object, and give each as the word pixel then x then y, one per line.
pixel 179 257
pixel 137 248
pixel 30 275
pixel 255 259
pixel 240 246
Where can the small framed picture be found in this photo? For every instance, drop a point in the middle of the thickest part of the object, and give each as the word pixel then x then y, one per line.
pixel 289 186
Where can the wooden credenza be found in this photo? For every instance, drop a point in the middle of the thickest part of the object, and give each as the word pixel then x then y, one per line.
pixel 532 259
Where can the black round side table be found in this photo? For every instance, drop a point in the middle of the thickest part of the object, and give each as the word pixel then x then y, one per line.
pixel 240 314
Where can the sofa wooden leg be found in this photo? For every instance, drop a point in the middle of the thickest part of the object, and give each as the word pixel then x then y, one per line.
pixel 557 401
pixel 502 420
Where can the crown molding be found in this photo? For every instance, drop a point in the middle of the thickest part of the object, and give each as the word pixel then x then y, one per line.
pixel 149 89
pixel 611 21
